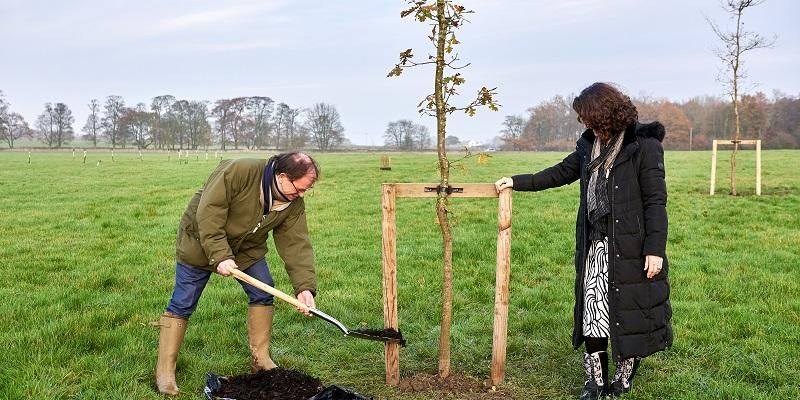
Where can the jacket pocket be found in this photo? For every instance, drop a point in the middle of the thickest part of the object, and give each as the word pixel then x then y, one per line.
pixel 189 249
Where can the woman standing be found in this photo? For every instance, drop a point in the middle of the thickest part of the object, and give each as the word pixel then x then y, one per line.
pixel 621 284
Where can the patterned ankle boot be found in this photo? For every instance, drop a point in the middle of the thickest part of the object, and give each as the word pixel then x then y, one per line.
pixel 596 367
pixel 623 377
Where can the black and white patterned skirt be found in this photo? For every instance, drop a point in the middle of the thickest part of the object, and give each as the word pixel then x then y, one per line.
pixel 595 291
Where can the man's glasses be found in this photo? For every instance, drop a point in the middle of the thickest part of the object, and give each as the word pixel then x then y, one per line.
pixel 301 190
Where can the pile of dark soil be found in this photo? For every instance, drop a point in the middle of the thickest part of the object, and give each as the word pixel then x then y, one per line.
pixel 277 383
pixel 387 333
pixel 383 333
pixel 463 386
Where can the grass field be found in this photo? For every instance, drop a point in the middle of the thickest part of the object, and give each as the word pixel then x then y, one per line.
pixel 87 256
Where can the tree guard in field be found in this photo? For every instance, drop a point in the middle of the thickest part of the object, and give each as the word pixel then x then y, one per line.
pixel 386 163
pixel 391 191
pixel 735 142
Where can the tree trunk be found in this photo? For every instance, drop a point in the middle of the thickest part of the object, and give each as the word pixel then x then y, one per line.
pixel 442 200
pixel 735 145
pixel 735 88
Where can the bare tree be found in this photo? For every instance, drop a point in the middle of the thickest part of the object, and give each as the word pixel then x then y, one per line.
pixel 279 122
pixel 55 125
pixel 422 137
pixel 398 133
pixel 296 132
pixel 734 45
pixel 446 18
pixel 238 123
pixel 197 126
pixel 4 115
pixel 93 123
pixel 15 127
pixel 222 113
pixel 393 136
pixel 513 128
pixel 45 125
pixel 325 126
pixel 231 121
pixel 259 113
pixel 160 107
pixel 113 108
pixel 553 125
pixel 180 115
pixel 64 121
pixel 137 123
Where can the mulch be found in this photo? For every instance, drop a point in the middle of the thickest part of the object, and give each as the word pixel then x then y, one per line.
pixel 277 383
pixel 385 333
pixel 464 386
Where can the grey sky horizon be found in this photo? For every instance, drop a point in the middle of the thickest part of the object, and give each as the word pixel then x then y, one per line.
pixel 339 52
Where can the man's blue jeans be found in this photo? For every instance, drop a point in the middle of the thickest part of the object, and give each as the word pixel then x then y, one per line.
pixel 190 282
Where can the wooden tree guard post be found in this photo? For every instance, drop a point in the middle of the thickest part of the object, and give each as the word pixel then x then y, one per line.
pixel 503 268
pixel 502 281
pixel 714 162
pixel 386 163
pixel 392 350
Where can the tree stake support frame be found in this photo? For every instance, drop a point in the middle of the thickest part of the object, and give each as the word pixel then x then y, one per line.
pixel 735 142
pixel 390 193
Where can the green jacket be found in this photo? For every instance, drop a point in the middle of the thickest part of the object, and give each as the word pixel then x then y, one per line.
pixel 225 220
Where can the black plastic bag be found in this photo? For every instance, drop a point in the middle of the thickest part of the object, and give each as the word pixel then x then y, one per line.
pixel 213 383
pixel 334 392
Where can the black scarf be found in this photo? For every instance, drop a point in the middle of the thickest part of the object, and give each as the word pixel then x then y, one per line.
pixel 269 185
pixel 597 193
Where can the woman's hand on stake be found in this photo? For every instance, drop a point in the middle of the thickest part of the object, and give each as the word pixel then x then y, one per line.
pixel 503 183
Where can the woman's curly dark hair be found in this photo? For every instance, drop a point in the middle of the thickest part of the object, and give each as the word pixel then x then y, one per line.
pixel 604 109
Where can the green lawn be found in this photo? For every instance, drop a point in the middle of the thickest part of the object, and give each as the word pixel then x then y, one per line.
pixel 87 256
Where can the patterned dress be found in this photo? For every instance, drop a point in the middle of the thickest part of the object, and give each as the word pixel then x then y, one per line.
pixel 595 291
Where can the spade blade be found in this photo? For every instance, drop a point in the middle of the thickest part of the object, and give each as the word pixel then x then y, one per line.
pixel 388 336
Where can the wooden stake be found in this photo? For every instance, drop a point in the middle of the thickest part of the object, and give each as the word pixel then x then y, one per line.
pixel 390 320
pixel 502 281
pixel 713 167
pixel 758 168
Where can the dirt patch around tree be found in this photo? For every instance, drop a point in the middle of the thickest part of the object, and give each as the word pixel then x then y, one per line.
pixel 464 387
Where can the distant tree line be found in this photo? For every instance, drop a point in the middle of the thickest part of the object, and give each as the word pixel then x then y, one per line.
pixel 254 122
pixel 404 134
pixel 692 124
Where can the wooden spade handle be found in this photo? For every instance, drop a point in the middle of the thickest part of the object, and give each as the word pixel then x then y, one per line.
pixel 269 289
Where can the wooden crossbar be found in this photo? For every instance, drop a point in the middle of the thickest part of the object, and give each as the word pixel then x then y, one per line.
pixel 456 190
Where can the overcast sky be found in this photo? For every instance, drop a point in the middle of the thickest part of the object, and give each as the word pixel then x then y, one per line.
pixel 339 52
